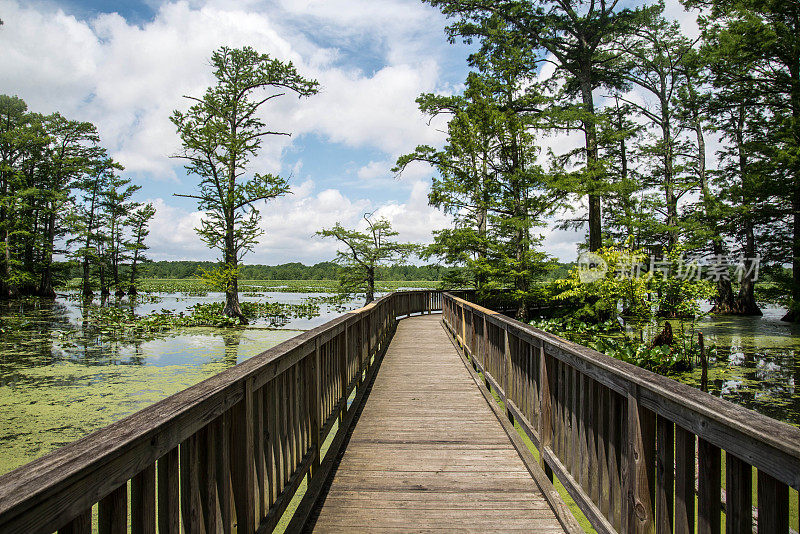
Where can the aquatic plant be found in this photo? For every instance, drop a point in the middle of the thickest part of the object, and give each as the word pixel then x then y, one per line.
pixel 610 338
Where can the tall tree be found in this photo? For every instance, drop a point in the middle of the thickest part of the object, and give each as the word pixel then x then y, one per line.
pixel 364 252
pixel 764 37
pixel 88 231
pixel 20 136
pixel 489 179
pixel 72 147
pixel 117 205
pixel 221 133
pixel 573 35
pixel 653 54
pixel 138 221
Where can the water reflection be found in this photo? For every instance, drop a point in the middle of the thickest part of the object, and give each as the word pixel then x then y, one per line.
pixel 754 362
pixel 63 376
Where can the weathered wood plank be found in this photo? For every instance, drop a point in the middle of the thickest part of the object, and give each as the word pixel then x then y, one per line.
pixel 397 452
pixel 82 524
pixel 684 480
pixel 143 502
pixel 242 461
pixel 112 512
pixel 708 489
pixel 773 505
pixel 168 498
pixel 739 496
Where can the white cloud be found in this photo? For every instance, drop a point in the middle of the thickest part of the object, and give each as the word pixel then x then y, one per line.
pixel 127 79
pixel 291 222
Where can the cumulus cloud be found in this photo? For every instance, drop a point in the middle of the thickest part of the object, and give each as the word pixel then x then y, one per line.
pixel 127 78
pixel 290 224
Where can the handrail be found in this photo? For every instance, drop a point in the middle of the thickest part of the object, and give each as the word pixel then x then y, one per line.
pixel 231 450
pixel 631 447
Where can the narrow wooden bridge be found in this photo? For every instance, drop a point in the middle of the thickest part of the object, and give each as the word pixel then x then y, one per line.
pixel 373 423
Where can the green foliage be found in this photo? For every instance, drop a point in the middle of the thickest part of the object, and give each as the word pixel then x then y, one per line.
pixel 58 185
pixel 616 291
pixel 220 277
pixel 221 134
pixel 610 338
pixel 365 252
pixel 623 287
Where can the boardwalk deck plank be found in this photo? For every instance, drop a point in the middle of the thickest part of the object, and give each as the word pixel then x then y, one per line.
pixel 428 454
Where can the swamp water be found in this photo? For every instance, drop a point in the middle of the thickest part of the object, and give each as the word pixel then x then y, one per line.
pixel 754 362
pixel 61 380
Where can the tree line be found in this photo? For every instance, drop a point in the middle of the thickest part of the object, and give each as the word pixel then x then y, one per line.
pixel 325 270
pixel 62 195
pixel 646 101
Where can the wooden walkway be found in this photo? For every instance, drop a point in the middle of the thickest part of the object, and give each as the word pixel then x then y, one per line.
pixel 428 452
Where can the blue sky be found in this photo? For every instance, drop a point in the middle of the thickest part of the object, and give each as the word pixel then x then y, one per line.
pixel 125 65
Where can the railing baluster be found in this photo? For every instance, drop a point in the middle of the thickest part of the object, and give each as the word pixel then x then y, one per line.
pixel 242 460
pixel 545 402
pixel 207 445
pixel 168 499
pixel 112 512
pixel 314 407
pixel 258 434
pixel 574 463
pixel 273 444
pixel 143 502
pixel 641 451
pixel 739 496
pixel 773 505
pixel 602 421
pixel 190 485
pixel 665 475
pixel 615 459
pixel 684 480
pixel 708 494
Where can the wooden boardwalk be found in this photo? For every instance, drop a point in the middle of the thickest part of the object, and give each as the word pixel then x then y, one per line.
pixel 428 452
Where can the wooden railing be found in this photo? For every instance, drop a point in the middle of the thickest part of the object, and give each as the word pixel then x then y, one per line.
pixel 226 455
pixel 636 451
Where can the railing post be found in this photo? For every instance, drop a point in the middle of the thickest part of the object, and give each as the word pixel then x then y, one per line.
pixel 506 393
pixel 242 460
pixel 343 372
pixel 313 408
pixel 546 380
pixel 463 324
pixel 641 465
pixel 485 349
pixel 362 343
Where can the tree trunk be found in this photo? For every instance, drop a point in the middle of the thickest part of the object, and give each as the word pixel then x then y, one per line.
pixel 370 284
pixel 592 158
pixel 723 302
pixel 86 286
pixel 746 301
pixel 46 285
pixel 102 272
pixel 134 261
pixel 12 288
pixel 669 179
pixel 232 307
